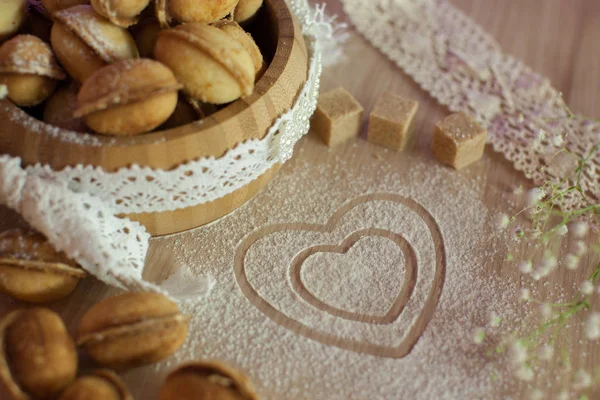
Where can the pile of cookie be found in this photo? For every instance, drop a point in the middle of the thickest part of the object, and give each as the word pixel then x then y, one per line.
pixel 127 67
pixel 39 357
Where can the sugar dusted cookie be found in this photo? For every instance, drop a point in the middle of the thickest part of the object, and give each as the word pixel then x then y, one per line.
pixel 128 98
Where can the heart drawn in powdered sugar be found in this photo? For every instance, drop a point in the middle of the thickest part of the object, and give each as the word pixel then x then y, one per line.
pixel 341 276
pixel 284 285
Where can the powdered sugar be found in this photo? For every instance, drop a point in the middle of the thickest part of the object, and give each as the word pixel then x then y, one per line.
pixel 444 364
pixel 364 280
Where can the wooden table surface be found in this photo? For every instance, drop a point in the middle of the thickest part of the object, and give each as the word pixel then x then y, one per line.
pixel 560 39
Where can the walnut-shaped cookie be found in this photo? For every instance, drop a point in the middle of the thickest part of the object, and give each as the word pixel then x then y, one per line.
pixel 84 41
pixel 246 9
pixel 60 108
pixel 120 12
pixel 128 98
pixel 38 358
pixel 103 384
pixel 207 11
pixel 29 70
pixel 234 30
pixel 33 271
pixel 12 15
pixel 207 380
pixel 212 66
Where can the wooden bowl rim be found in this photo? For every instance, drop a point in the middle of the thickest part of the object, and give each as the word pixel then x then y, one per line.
pixel 280 59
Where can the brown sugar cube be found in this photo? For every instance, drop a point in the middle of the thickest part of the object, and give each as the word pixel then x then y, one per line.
pixel 458 140
pixel 391 121
pixel 338 117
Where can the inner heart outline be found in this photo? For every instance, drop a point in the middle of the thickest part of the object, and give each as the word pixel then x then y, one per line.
pixel 277 316
pixel 401 300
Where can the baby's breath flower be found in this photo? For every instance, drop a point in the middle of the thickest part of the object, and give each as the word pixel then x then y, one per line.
pixel 518 190
pixel 534 196
pixel 517 352
pixel 587 287
pixel 562 230
pixel 580 229
pixel 550 259
pixel 495 319
pixel 579 248
pixel 592 326
pixel 564 395
pixel 526 267
pixel 541 134
pixel 545 352
pixel 546 310
pixel 558 140
pixel 571 261
pixel 525 294
pixel 582 380
pixel 524 373
pixel 547 265
pixel 479 335
pixel 502 221
pixel 536 394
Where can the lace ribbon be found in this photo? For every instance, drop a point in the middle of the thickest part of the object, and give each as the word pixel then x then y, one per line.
pixel 76 208
pixel 460 65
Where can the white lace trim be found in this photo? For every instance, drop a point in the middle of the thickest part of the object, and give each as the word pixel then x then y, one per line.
pixel 76 208
pixel 459 64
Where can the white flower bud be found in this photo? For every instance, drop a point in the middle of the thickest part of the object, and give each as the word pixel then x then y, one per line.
pixel 564 395
pixel 582 380
pixel 546 311
pixel 571 261
pixel 517 352
pixel 580 229
pixel 524 373
pixel 525 294
pixel 495 319
pixel 586 287
pixel 579 248
pixel 502 221
pixel 550 260
pixel 562 230
pixel 536 394
pixel 558 140
pixel 541 134
pixel 546 352
pixel 526 267
pixel 479 335
pixel 592 326
pixel 534 196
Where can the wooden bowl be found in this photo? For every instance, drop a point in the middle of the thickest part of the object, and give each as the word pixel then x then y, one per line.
pixel 280 38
